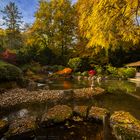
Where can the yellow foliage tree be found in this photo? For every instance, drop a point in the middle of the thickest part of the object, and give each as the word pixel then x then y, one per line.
pixel 2 37
pixel 109 23
pixel 54 25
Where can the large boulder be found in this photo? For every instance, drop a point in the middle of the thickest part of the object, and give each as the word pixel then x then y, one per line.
pixel 125 126
pixel 22 127
pixel 57 114
pixel 96 113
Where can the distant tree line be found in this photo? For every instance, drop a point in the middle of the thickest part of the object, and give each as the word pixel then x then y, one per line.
pixel 100 31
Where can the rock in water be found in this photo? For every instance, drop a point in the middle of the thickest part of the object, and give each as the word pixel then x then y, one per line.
pixel 125 126
pixel 57 114
pixel 81 111
pixel 23 127
pixel 97 113
pixel 3 126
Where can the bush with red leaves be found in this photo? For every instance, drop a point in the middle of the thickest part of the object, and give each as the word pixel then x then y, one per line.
pixel 8 56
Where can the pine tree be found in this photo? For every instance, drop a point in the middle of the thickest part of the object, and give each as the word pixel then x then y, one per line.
pixel 12 21
pixel 11 16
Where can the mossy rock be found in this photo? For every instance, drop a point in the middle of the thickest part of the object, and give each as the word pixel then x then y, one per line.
pixel 96 113
pixel 81 111
pixel 22 127
pixel 57 114
pixel 125 126
pixel 9 72
pixel 3 126
pixel 88 92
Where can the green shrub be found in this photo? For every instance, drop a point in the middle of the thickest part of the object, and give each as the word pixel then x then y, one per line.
pixel 85 73
pixel 9 72
pixel 60 67
pixel 99 69
pixel 112 70
pixel 25 67
pixel 34 67
pixel 127 72
pixel 130 72
pixel 78 74
pixel 36 53
pixel 75 63
pixel 57 67
pixel 121 73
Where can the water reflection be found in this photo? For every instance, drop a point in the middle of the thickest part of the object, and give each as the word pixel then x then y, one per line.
pixel 114 85
pixel 121 95
pixel 74 131
pixel 68 84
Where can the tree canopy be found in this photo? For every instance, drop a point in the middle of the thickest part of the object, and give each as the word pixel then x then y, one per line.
pixel 11 16
pixel 54 25
pixel 101 30
pixel 109 23
pixel 12 22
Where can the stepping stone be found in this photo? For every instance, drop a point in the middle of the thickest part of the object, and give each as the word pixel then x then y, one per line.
pixel 57 114
pixel 88 92
pixel 97 113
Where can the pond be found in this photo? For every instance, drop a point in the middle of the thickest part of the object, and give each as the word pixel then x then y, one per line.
pixel 121 95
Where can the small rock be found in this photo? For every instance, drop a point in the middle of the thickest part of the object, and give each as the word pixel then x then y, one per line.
pixel 22 113
pixel 125 126
pixel 77 119
pixel 57 114
pixel 97 113
pixel 81 111
pixel 40 85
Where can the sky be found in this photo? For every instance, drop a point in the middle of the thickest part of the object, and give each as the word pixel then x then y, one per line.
pixel 26 7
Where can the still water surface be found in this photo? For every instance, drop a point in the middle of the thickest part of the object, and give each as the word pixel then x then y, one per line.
pixel 121 95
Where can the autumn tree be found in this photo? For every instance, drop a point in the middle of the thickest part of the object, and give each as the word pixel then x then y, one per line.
pixel 54 26
pixel 12 21
pixel 2 38
pixel 109 23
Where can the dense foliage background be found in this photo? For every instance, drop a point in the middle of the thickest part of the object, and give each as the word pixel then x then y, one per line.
pixel 100 32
